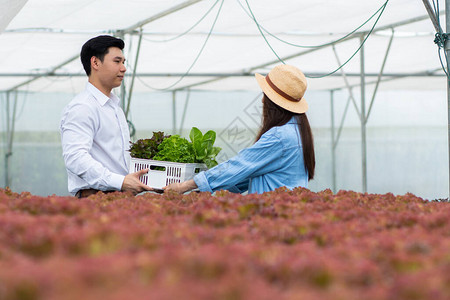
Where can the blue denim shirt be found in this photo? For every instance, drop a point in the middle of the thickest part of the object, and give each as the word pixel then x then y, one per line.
pixel 275 160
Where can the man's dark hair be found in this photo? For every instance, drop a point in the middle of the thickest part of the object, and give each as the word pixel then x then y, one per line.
pixel 98 47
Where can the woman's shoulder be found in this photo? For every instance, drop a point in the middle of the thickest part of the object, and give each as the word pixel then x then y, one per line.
pixel 289 128
pixel 285 134
pixel 272 134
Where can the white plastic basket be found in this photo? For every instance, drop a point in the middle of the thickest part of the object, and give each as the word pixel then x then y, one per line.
pixel 172 171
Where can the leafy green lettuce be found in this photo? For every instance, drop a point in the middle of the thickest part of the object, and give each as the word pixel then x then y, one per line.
pixel 204 150
pixel 175 149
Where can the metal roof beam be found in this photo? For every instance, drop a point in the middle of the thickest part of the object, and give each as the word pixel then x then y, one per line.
pixel 358 34
pixel 49 73
pixel 390 26
pixel 431 73
pixel 164 13
pixel 390 77
pixel 122 31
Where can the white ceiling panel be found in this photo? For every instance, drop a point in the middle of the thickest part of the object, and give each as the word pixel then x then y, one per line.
pixel 45 35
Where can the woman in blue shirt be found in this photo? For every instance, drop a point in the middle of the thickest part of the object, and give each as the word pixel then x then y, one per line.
pixel 283 154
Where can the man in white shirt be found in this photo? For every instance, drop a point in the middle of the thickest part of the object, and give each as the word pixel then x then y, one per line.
pixel 94 132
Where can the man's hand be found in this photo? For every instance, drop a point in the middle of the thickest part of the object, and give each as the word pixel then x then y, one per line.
pixel 133 184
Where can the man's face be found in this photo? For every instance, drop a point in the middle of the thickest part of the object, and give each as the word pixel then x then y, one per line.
pixel 112 70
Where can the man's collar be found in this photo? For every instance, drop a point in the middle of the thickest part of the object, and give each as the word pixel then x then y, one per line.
pixel 99 96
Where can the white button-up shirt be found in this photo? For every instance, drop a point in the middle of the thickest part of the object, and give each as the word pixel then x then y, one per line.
pixel 95 139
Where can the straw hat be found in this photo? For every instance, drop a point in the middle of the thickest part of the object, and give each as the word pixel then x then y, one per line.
pixel 285 85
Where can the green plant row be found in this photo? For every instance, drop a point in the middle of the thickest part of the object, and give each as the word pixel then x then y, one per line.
pixel 177 149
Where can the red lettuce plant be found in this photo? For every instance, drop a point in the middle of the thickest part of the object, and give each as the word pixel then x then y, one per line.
pixel 279 245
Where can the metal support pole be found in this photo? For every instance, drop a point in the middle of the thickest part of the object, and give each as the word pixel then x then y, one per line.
pixel 174 113
pixel 123 94
pixel 333 148
pixel 363 121
pixel 380 75
pixel 123 89
pixel 7 153
pixel 347 83
pixel 184 111
pixel 447 52
pixel 431 14
pixel 341 126
pixel 130 92
pixel 435 21
pixel 10 127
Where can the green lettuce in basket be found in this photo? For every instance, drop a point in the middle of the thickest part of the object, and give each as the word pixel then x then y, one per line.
pixel 204 150
pixel 177 149
pixel 147 148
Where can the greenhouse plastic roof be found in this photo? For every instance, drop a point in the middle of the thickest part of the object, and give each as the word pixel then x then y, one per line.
pixel 217 45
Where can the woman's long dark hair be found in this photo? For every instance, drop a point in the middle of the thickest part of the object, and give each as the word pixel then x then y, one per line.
pixel 274 115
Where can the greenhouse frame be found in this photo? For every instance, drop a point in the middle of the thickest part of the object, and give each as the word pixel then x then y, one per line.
pixel 351 51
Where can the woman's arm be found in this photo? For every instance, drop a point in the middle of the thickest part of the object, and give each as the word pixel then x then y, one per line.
pixel 234 175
